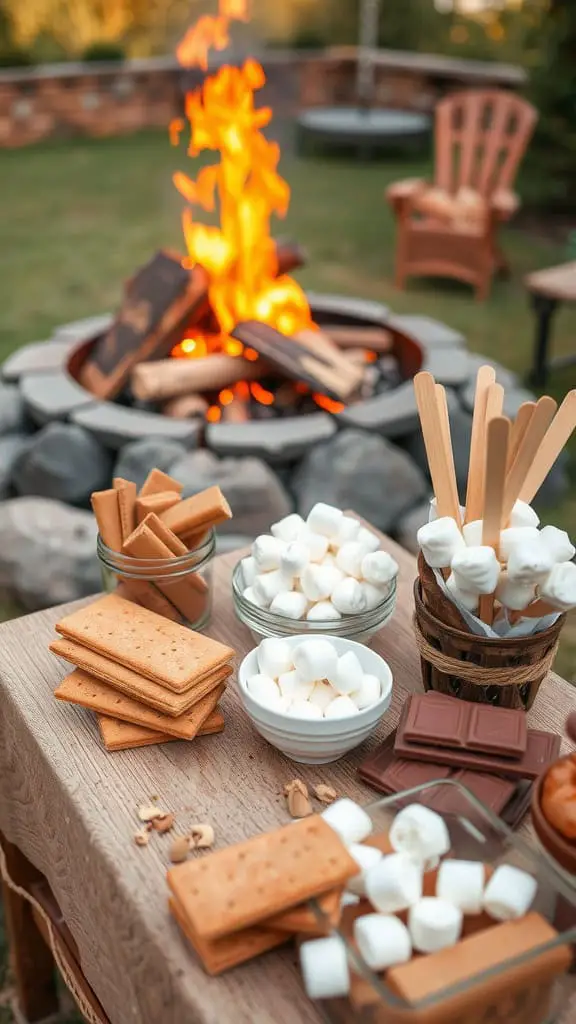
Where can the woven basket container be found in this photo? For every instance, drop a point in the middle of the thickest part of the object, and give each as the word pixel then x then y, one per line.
pixel 507 673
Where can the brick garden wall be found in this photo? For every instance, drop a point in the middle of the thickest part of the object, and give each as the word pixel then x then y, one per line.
pixel 61 100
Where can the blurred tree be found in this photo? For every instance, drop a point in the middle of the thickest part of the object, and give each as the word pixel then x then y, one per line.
pixel 551 167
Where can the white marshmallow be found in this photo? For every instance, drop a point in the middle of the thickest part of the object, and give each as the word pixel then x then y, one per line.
pixel 263 689
pixel 557 543
pixel 322 695
pixel 315 659
pixel 349 820
pixel 373 595
pixel 420 832
pixel 378 567
pixel 324 519
pixel 514 595
pixel 317 544
pixel 394 883
pixel 249 571
pixel 509 893
pixel 274 657
pixel 349 899
pixel 249 594
pixel 559 587
pixel 476 570
pixel 267 552
pixel 323 611
pixel 529 563
pixel 289 528
pixel 368 540
pixel 349 558
pixel 513 536
pixel 293 687
pixel 348 675
pixel 328 559
pixel 468 600
pixel 433 512
pixel 383 940
pixel 318 581
pixel 366 857
pixel 434 924
pixel 439 541
pixel 472 532
pixel 290 604
pixel 304 709
pixel 523 514
pixel 348 529
pixel 348 597
pixel 268 585
pixel 369 692
pixel 461 882
pixel 341 707
pixel 294 559
pixel 324 966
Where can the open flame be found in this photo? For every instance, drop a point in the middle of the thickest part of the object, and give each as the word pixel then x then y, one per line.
pixel 244 187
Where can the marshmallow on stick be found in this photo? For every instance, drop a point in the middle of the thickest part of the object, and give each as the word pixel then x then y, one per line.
pixel 440 541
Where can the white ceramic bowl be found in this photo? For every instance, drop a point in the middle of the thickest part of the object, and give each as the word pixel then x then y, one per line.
pixel 317 741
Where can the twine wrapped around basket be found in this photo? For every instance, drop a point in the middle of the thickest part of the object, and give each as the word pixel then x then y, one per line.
pixel 504 672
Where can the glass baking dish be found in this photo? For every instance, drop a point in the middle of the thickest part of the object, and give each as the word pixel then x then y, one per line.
pixel 517 991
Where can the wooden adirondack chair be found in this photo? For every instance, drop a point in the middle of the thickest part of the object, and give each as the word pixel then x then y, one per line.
pixel 480 138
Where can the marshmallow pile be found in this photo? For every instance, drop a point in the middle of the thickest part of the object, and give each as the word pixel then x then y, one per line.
pixel 311 680
pixel 532 563
pixel 319 569
pixel 394 883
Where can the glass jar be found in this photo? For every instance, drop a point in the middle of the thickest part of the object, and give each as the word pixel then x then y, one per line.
pixel 178 588
pixel 263 623
pixel 532 988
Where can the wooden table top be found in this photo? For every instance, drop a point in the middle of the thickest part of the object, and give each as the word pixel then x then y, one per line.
pixel 71 808
pixel 554 282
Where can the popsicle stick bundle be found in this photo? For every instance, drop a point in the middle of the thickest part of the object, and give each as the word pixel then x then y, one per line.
pixel 493 560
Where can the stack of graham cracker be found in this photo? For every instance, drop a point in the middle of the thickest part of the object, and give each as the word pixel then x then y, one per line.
pixel 237 903
pixel 149 680
pixel 157 524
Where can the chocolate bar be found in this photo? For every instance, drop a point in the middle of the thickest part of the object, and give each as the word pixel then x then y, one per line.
pixel 444 721
pixel 391 774
pixel 541 749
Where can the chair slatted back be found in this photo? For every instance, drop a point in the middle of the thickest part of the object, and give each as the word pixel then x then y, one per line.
pixel 481 136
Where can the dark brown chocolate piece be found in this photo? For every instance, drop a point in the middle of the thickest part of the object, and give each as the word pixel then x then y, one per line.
pixel 442 721
pixel 492 791
pixel 541 749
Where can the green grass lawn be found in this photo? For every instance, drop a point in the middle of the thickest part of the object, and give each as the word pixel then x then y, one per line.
pixel 77 218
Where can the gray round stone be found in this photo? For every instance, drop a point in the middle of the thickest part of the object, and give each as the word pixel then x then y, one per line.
pixel 410 524
pixel 64 462
pixel 139 457
pixel 47 552
pixel 506 378
pixel 254 492
pixel 12 412
pixel 11 448
pixel 362 472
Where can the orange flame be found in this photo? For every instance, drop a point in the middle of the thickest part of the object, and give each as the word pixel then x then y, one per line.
pixel 244 186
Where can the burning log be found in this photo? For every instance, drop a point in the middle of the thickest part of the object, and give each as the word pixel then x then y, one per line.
pixel 158 301
pixel 169 378
pixel 347 336
pixel 309 357
pixel 236 412
pixel 185 407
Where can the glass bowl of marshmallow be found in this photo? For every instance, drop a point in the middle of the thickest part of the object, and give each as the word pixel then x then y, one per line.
pixel 314 698
pixel 325 574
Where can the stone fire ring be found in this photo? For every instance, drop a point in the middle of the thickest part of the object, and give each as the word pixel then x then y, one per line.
pixel 45 373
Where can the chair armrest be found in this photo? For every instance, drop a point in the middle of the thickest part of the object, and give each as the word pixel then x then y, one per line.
pixel 504 203
pixel 399 193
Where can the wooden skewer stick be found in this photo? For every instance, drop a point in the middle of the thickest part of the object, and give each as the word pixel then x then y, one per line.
pixel 498 440
pixel 447 443
pixel 519 428
pixel 433 432
pixel 529 445
pixel 494 403
pixel 534 611
pixel 475 487
pixel 554 440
